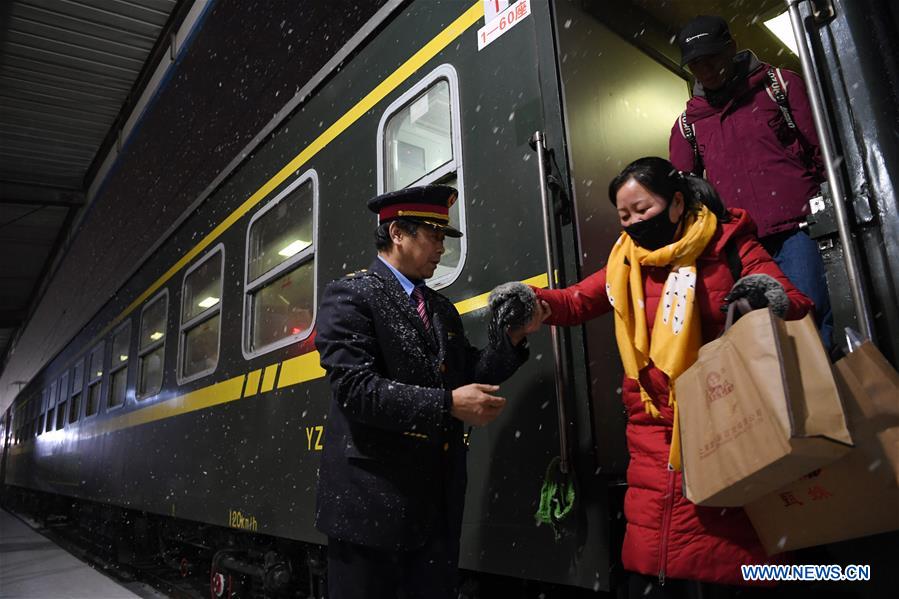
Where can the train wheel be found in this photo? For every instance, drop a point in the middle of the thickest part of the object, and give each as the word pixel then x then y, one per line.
pixel 219 586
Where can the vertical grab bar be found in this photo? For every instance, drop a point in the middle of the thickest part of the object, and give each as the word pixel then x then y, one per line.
pixel 539 145
pixel 850 253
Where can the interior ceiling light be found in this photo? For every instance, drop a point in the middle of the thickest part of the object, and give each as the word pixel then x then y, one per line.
pixel 782 29
pixel 209 302
pixel 294 248
pixel 156 336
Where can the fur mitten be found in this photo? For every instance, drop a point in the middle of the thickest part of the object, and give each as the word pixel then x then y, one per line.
pixel 762 291
pixel 511 306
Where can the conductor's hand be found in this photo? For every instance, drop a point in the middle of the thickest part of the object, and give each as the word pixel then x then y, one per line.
pixel 473 404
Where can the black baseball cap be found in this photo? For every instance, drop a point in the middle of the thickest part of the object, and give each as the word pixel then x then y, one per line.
pixel 703 36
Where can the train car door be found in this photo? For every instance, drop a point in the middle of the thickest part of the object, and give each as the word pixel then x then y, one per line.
pixel 620 96
pixel 601 101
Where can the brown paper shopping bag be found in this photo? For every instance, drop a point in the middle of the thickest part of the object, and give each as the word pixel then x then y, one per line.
pixel 857 495
pixel 758 409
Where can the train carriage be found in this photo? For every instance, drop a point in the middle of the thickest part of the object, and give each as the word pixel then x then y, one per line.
pixel 194 400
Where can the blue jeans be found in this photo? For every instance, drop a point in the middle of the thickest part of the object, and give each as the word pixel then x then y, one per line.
pixel 798 257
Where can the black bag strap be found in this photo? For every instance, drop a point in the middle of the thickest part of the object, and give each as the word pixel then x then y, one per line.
pixel 776 87
pixel 777 91
pixel 689 133
pixel 734 263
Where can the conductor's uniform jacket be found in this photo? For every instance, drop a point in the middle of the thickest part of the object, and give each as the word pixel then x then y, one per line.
pixel 393 467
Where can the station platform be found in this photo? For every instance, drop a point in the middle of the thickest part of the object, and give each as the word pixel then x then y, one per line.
pixel 33 566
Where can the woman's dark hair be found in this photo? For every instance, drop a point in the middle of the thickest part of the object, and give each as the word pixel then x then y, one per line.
pixel 382 233
pixel 660 177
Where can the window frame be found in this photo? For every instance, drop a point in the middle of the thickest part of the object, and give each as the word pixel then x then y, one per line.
pixel 115 367
pixel 45 405
pixel 52 400
pixel 207 314
pixel 79 391
pixel 162 295
pixel 91 380
pixel 292 263
pixel 447 73
pixel 62 392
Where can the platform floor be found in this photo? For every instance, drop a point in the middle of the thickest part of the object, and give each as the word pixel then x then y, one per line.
pixel 32 566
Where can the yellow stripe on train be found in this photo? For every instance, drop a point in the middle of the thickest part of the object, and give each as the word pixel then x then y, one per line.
pixel 394 80
pixel 294 371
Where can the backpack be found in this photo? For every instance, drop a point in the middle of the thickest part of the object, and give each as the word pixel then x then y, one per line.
pixel 776 87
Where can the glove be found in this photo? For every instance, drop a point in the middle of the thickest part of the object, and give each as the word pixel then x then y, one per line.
pixel 761 291
pixel 511 306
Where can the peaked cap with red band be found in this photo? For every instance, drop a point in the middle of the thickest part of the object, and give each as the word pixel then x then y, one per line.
pixel 428 204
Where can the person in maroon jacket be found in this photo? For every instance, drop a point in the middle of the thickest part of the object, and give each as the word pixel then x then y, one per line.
pixel 680 259
pixel 760 155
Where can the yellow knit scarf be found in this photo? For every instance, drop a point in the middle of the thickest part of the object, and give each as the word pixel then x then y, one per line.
pixel 677 332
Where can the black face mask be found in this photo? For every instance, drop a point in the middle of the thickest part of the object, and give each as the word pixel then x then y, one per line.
pixel 722 96
pixel 655 232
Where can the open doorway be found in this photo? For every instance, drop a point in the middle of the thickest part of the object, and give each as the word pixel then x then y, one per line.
pixel 622 89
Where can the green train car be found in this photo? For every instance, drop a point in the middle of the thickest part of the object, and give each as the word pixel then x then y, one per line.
pixel 190 412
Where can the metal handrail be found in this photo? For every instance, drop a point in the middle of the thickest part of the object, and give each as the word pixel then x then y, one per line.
pixel 825 138
pixel 539 145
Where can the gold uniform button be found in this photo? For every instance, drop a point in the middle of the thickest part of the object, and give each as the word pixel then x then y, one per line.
pixel 443 367
pixel 446 446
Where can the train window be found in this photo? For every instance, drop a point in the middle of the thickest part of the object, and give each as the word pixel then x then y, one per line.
pixel 419 143
pixel 51 407
pixel 94 381
pixel 280 271
pixel 418 139
pixel 77 384
pixel 118 365
pixel 42 416
pixel 151 348
pixel 201 306
pixel 62 401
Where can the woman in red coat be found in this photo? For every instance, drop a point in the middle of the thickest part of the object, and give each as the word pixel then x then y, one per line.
pixel 667 279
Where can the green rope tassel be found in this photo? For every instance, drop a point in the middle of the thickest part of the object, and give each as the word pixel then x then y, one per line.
pixel 556 498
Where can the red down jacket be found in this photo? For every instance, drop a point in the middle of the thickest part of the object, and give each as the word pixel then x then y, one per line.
pixel 666 534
